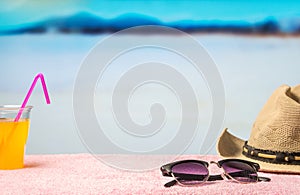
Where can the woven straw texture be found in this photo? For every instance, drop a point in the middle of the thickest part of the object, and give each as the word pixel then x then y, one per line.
pixel 277 126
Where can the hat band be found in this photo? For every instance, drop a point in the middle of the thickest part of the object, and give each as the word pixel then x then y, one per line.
pixel 271 156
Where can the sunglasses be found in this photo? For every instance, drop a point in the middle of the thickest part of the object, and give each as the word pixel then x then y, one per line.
pixel 195 172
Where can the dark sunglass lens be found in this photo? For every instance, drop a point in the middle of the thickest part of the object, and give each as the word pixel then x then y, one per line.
pixel 240 171
pixel 190 173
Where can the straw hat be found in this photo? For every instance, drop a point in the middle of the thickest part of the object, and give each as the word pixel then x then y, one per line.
pixel 274 142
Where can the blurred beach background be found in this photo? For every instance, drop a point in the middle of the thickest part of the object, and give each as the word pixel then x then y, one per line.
pixel 255 45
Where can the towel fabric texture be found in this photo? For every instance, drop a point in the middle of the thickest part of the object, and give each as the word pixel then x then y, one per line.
pixel 84 174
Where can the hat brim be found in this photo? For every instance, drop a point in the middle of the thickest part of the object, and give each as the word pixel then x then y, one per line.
pixel 230 146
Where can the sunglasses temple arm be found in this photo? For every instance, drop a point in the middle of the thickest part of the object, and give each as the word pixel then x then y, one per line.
pixel 170 183
pixel 211 178
pixel 242 173
pixel 215 177
pixel 265 179
pixel 219 177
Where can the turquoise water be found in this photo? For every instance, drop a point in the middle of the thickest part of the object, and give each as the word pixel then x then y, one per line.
pixel 16 14
pixel 25 11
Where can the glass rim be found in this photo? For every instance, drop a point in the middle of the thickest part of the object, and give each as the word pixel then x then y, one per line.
pixel 226 172
pixel 241 181
pixel 197 182
pixel 14 107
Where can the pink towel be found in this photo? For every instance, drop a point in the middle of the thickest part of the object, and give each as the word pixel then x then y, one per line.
pixel 84 174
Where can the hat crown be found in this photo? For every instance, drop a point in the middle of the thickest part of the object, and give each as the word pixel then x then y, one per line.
pixel 277 127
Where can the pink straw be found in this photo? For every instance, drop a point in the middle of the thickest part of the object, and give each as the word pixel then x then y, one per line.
pixel 41 76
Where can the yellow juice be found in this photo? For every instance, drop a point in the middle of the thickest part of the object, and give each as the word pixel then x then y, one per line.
pixel 13 136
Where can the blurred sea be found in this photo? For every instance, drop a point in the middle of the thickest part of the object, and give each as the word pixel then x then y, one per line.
pixel 252 67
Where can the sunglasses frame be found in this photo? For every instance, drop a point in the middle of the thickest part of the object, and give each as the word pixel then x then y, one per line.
pixel 167 171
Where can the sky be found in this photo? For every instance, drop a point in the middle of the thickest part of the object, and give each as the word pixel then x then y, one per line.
pixel 18 12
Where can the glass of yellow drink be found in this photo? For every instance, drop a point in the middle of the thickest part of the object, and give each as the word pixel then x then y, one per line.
pixel 13 136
